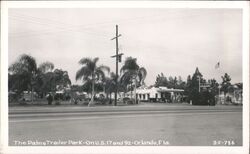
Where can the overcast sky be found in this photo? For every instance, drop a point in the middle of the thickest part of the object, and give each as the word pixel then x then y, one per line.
pixel 171 41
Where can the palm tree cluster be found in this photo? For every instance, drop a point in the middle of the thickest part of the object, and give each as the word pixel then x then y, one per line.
pixel 24 75
pixel 90 72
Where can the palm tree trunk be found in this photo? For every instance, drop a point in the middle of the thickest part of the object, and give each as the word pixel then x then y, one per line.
pixel 93 92
pixel 104 91
pixel 131 90
pixel 110 99
pixel 225 97
pixel 32 95
pixel 135 92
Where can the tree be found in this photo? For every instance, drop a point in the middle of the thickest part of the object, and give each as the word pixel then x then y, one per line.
pixel 90 71
pixel 132 71
pixel 172 82
pixel 180 83
pixel 188 88
pixel 110 85
pixel 61 79
pixel 75 88
pixel 87 86
pixel 126 81
pixel 225 83
pixel 25 64
pixel 214 85
pixel 161 80
pixel 193 86
pixel 46 67
pixel 24 70
pixel 189 80
pixel 25 75
pixel 45 77
pixel 49 79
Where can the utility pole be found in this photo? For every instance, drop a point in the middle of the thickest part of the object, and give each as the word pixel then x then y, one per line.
pixel 118 59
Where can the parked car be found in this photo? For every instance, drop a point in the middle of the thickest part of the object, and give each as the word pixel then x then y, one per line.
pixel 27 96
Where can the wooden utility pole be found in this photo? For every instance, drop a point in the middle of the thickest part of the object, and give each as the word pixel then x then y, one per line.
pixel 118 58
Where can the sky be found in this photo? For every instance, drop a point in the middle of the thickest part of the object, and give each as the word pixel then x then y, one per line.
pixel 169 41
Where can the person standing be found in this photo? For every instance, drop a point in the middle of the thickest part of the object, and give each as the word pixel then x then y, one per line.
pixel 50 99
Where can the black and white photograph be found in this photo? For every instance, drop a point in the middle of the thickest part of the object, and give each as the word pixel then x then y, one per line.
pixel 154 77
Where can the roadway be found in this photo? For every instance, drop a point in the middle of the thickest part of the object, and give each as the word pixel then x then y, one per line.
pixel 144 124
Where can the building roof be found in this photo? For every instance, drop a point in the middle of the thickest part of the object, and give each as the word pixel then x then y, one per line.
pixel 145 89
pixel 165 89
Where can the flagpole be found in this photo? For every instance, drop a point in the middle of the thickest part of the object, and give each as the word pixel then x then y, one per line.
pixel 219 94
pixel 217 66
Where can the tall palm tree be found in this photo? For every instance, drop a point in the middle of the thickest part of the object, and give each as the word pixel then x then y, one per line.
pixel 125 80
pixel 132 71
pixel 90 71
pixel 26 64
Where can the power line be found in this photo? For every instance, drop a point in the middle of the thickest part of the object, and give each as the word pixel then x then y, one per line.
pixel 72 27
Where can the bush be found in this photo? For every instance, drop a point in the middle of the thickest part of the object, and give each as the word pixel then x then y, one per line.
pixel 203 98
pixel 127 100
pixel 102 100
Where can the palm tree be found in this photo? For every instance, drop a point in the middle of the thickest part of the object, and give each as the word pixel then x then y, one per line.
pixel 90 71
pixel 125 80
pixel 132 71
pixel 25 65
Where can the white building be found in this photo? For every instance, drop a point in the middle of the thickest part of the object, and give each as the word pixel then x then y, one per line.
pixel 157 94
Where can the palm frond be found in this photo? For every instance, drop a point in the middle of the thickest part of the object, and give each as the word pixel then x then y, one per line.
pixel 85 61
pixel 100 72
pixel 91 64
pixel 104 68
pixel 130 64
pixel 95 60
pixel 83 73
pixel 142 73
pixel 126 77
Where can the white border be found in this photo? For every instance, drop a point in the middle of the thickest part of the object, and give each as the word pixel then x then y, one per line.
pixel 122 4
